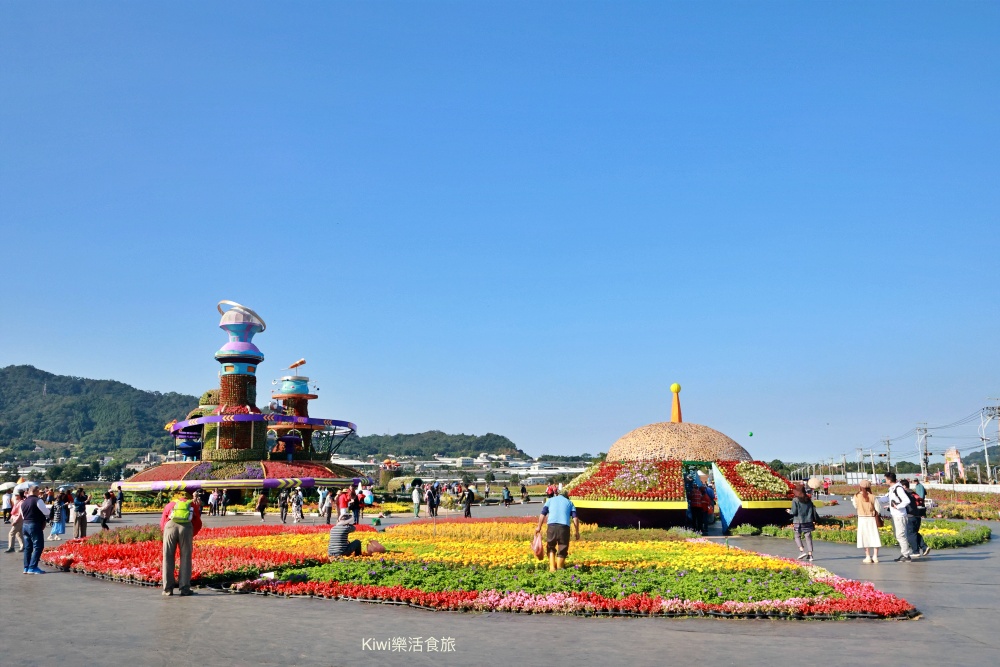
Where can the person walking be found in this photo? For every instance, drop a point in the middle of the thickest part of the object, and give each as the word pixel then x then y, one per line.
pixel 297 500
pixel 467 499
pixel 223 501
pixel 283 505
pixel 898 500
pixel 869 513
pixel 354 504
pixel 34 514
pixel 429 501
pixel 119 501
pixel 505 495
pixel 262 504
pixel 803 522
pixel 213 503
pixel 16 523
pixel 107 509
pixel 59 516
pixel 914 518
pixel 326 507
pixel 180 522
pixel 80 501
pixel 416 496
pixel 343 503
pixel 8 505
pixel 696 506
pixel 560 512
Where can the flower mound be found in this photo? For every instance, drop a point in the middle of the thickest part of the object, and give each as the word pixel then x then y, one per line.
pixel 755 480
pixel 630 480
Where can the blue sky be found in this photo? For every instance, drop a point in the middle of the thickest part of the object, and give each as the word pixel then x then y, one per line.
pixel 516 217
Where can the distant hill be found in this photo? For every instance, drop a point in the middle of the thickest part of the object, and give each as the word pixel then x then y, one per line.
pixel 102 416
pixel 109 418
pixel 978 457
pixel 426 445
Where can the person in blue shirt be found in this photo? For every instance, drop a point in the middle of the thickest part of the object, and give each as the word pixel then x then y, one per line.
pixel 560 510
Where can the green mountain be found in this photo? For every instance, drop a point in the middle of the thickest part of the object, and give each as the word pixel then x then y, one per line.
pixel 426 445
pixel 978 457
pixel 108 418
pixel 101 416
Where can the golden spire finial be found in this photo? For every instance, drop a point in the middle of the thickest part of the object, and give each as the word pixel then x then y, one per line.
pixel 675 412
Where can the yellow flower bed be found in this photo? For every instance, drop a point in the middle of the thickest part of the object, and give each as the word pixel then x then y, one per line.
pixel 507 545
pixel 313 544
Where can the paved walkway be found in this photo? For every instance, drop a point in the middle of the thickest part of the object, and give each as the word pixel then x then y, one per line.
pixel 77 620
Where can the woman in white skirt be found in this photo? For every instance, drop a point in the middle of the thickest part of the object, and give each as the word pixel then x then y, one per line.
pixel 868 508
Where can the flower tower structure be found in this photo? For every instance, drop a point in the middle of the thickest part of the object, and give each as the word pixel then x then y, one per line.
pixel 238 360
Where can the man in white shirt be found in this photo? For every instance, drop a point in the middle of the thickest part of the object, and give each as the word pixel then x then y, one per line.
pixel 898 500
pixel 8 505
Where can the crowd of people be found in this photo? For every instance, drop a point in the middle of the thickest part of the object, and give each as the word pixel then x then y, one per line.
pixel 907 508
pixel 28 511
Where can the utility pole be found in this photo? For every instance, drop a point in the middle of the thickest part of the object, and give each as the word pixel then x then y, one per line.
pixel 888 455
pixel 871 455
pixel 989 413
pixel 922 448
pixel 845 467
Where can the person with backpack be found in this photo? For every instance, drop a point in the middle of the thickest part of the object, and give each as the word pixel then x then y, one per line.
pixel 913 521
pixel 180 522
pixel 900 507
pixel 505 494
pixel 803 521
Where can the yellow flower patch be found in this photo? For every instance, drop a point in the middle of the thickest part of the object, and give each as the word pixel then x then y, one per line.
pixel 507 545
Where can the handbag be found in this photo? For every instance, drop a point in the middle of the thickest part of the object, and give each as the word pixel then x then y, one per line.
pixel 878 520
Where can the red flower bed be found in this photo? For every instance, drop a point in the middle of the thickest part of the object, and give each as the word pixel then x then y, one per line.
pixel 166 472
pixel 632 480
pixel 280 469
pixel 860 598
pixel 142 561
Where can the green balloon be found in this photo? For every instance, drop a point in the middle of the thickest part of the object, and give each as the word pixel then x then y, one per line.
pixel 751 434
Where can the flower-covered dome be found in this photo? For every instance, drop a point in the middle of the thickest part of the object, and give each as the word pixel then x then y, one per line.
pixel 676 440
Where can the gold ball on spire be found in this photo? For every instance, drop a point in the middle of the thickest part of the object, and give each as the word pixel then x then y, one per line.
pixel 676 388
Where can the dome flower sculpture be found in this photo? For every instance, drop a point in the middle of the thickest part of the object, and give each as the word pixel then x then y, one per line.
pixel 641 482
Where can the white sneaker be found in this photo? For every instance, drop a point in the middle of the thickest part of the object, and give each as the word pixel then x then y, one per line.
pixel 867 560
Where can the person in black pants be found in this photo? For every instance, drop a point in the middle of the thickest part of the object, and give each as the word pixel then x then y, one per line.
pixel 467 499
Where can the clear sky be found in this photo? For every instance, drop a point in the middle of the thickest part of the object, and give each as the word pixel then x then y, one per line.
pixel 526 218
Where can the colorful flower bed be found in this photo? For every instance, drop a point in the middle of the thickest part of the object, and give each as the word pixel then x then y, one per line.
pixel 484 565
pixel 220 554
pixel 167 472
pixel 755 480
pixel 281 469
pixel 630 480
pixel 223 470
